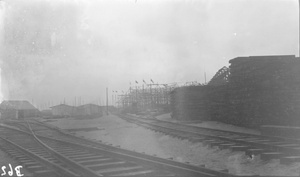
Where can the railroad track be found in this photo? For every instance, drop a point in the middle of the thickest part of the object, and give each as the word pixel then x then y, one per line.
pixel 47 151
pixel 287 150
pixel 31 155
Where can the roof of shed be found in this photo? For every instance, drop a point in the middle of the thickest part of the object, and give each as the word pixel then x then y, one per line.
pixel 16 104
pixel 62 105
pixel 88 105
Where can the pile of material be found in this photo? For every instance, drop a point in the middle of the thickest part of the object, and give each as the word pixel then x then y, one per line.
pixel 260 90
pixel 190 103
pixel 264 90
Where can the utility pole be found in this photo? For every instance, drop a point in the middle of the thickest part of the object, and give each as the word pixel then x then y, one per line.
pixel 151 97
pixel 143 98
pixel 106 100
pixel 130 96
pixel 136 95
pixel 116 101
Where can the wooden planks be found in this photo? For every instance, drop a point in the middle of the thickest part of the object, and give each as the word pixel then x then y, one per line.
pixel 260 90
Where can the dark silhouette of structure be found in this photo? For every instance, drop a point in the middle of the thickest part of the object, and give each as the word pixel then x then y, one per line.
pixel 254 91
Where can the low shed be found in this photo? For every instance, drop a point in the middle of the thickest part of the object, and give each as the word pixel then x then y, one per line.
pixel 89 110
pixel 63 110
pixel 17 109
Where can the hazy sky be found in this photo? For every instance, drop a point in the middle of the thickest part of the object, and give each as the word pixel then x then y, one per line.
pixel 54 49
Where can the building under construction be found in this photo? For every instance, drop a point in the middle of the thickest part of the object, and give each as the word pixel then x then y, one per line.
pixel 147 97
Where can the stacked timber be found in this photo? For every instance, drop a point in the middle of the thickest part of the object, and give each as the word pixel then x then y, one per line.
pixel 260 90
pixel 264 90
pixel 218 102
pixel 190 103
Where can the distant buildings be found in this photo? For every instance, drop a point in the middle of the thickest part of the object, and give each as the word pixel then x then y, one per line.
pixel 87 110
pixel 17 109
pixel 46 113
pixel 63 110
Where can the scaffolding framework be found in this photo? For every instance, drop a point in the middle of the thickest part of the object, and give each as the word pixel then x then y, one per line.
pixel 145 97
pixel 148 97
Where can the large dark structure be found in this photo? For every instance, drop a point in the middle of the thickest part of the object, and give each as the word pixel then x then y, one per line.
pixel 254 91
pixel 190 103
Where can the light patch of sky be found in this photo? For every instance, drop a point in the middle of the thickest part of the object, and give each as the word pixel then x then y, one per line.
pixel 84 46
pixel 2 12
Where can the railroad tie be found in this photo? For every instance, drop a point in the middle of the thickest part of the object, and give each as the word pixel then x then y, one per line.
pixel 288 145
pixel 270 155
pixel 226 145
pixel 216 143
pixel 86 158
pixel 208 142
pixel 289 159
pixel 239 148
pixel 44 173
pixel 196 140
pixel 254 151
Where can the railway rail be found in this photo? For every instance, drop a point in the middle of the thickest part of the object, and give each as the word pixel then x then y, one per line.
pixel 287 150
pixel 47 151
pixel 30 154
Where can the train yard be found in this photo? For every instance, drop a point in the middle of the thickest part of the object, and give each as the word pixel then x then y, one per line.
pixel 287 150
pixel 45 151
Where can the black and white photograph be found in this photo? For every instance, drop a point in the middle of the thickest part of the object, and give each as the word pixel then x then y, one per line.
pixel 158 88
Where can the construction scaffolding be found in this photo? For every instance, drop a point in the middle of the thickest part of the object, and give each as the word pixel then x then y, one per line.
pixel 147 97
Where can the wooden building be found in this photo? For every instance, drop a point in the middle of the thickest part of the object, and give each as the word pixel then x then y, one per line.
pixel 253 91
pixel 17 109
pixel 63 110
pixel 89 110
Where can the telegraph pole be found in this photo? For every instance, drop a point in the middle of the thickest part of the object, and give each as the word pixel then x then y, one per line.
pixel 106 100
